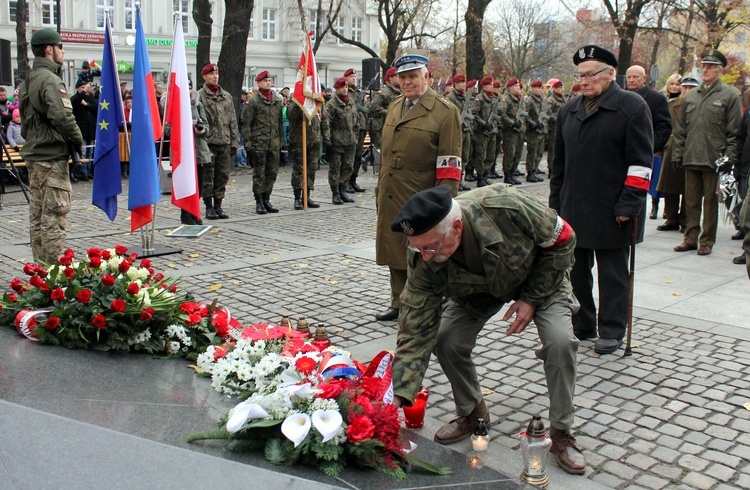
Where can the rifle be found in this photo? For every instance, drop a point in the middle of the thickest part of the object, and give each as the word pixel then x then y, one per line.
pixel 364 91
pixel 493 112
pixel 465 114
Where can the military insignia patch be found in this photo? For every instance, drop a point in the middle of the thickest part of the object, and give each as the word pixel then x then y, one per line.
pixel 406 226
pixel 582 53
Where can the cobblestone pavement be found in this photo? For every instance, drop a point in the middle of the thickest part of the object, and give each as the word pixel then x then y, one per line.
pixel 670 416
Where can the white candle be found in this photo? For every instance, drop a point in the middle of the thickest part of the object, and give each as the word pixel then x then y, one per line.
pixel 480 443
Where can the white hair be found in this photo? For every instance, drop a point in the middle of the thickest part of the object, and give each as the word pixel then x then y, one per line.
pixel 445 225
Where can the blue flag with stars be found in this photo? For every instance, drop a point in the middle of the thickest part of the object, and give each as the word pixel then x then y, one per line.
pixel 107 180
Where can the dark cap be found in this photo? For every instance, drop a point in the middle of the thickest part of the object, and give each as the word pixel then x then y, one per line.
pixel 209 68
pixel 715 57
pixel 341 82
pixel 44 37
pixel 80 83
pixel 244 91
pixel 350 71
pixel 690 82
pixel 262 75
pixel 592 52
pixel 85 65
pixel 423 211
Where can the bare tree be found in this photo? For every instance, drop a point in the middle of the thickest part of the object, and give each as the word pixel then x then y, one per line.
pixel 234 46
pixel 323 11
pixel 625 20
pixel 719 19
pixel 22 44
pixel 474 18
pixel 202 19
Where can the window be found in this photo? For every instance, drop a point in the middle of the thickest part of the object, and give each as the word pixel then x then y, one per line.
pixel 48 12
pixel 101 7
pixel 183 7
pixel 129 15
pixel 252 27
pixel 12 6
pixel 269 24
pixel 357 29
pixel 339 27
pixel 312 22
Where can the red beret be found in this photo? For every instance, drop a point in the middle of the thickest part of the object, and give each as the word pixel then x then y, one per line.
pixel 486 80
pixel 496 84
pixel 349 72
pixel 262 76
pixel 459 78
pixel 557 84
pixel 391 72
pixel 576 87
pixel 341 82
pixel 209 68
pixel 511 82
pixel 471 83
pixel 536 83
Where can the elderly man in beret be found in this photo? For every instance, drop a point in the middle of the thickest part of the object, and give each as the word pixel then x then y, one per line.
pixel 600 176
pixel 421 149
pixel 486 248
pixel 223 140
pixel 50 129
pixel 514 125
pixel 705 131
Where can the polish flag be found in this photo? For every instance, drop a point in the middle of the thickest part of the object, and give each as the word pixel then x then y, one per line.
pixel 185 193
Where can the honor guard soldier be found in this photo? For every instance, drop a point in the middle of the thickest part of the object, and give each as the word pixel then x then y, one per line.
pixel 356 97
pixel 379 105
pixel 535 131
pixel 339 128
pixel 313 139
pixel 513 117
pixel 484 130
pixel 222 140
pixel 462 101
pixel 552 105
pixel 263 131
pixel 50 129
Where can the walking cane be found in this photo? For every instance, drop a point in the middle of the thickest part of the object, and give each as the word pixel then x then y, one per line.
pixel 633 235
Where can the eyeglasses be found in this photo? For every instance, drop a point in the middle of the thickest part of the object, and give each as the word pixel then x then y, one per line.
pixel 430 251
pixel 589 76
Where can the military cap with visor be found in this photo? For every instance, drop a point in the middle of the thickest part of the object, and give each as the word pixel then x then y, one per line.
pixel 412 60
pixel 714 57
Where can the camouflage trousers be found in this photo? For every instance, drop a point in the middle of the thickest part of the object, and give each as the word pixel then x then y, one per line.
pixel 265 170
pixel 549 145
pixel 340 165
pixel 479 151
pixel 49 205
pixel 465 149
pixel 512 150
pixel 313 156
pixel 216 172
pixel 457 338
pixel 534 150
pixel 491 154
pixel 358 150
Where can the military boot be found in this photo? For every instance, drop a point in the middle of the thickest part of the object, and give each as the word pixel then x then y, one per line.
pixel 470 175
pixel 267 203
pixel 342 193
pixel 186 218
pixel 259 207
pixel 336 195
pixel 220 212
pixel 353 184
pixel 210 213
pixel 310 202
pixel 494 174
pixel 298 199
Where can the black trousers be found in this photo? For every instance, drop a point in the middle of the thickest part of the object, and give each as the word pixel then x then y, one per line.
pixel 614 286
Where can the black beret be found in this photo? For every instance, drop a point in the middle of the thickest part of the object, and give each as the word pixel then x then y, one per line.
pixel 44 37
pixel 592 52
pixel 423 211
pixel 714 56
pixel 80 83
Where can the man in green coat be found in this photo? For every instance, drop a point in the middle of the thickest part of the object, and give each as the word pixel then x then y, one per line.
pixel 488 247
pixel 48 127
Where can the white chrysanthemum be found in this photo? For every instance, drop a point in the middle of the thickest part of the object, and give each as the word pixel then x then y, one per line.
pixel 141 337
pixel 205 361
pixel 173 348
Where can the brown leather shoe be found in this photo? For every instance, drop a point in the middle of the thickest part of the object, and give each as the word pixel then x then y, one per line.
pixel 459 429
pixel 569 456
pixel 685 247
pixel 704 251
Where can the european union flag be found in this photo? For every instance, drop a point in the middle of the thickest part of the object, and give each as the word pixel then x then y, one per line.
pixel 107 180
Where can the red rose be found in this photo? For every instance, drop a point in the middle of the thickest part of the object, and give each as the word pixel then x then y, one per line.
pixel 305 365
pixel 189 307
pixel 84 296
pixel 99 321
pixel 162 286
pixel 16 284
pixel 124 266
pixel 29 269
pixel 95 262
pixel 65 260
pixel 93 252
pixel 193 318
pixel 147 313
pixel 106 255
pixel 118 305
pixel 69 273
pixel 36 281
pixel 57 294
pixel 332 389
pixel 121 249
pixel 41 271
pixel 173 288
pixel 69 253
pixel 159 277
pixel 145 263
pixel 12 297
pixel 133 257
pixel 52 323
pixel 360 429
pixel 133 289
pixel 108 280
pixel 44 287
pixel 150 270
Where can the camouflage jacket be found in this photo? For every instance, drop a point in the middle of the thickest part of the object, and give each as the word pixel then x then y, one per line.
pixel 507 253
pixel 47 113
pixel 262 123
pixel 552 105
pixel 459 101
pixel 481 109
pixel 339 122
pixel 379 105
pixel 222 117
pixel 355 95
pixel 202 152
pixel 535 110
pixel 295 115
pixel 512 113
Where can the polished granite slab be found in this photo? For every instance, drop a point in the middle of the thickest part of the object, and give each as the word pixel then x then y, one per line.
pixel 83 419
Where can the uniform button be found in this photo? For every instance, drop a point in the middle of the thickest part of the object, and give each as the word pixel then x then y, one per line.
pixel 393 151
pixel 390 174
pixel 398 129
pixel 390 196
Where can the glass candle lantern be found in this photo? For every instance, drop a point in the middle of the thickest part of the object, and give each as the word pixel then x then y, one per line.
pixel 535 446
pixel 480 439
pixel 415 414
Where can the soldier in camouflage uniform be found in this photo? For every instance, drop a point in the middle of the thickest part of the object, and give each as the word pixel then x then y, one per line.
pixel 535 130
pixel 48 126
pixel 483 130
pixel 492 146
pixel 462 100
pixel 363 123
pixel 296 116
pixel 552 105
pixel 222 141
pixel 379 105
pixel 513 126
pixel 339 128
pixel 263 132
pixel 486 248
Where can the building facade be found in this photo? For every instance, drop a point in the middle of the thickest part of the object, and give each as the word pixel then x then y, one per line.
pixel 274 42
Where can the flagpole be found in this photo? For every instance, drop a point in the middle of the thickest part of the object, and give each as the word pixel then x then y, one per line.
pixel 304 161
pixel 117 80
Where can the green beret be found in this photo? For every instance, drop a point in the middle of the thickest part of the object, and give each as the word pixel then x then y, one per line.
pixel 423 211
pixel 44 37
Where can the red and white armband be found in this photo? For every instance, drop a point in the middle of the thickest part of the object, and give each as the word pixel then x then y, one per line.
pixel 448 167
pixel 562 234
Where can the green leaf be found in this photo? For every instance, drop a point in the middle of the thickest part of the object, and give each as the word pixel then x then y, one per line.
pixel 274 452
pixel 438 470
pixel 210 434
pixel 262 423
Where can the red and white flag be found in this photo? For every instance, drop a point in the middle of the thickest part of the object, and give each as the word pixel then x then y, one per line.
pixel 185 194
pixel 307 92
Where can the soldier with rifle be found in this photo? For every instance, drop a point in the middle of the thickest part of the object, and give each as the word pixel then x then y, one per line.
pixel 483 131
pixel 357 97
pixel 379 105
pixel 462 100
pixel 471 175
pixel 535 131
pixel 497 121
pixel 552 104
pixel 513 116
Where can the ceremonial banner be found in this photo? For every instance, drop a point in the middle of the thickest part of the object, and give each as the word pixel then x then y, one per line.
pixel 307 92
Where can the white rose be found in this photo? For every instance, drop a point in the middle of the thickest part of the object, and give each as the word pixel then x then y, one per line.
pixel 133 274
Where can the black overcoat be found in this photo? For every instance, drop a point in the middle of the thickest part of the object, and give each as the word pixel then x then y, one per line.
pixel 662 121
pixel 593 156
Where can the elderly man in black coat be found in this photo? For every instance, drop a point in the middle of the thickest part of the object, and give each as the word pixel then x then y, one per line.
pixel 600 175
pixel 662 121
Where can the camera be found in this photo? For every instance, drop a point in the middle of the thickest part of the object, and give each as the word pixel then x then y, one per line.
pixel 199 125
